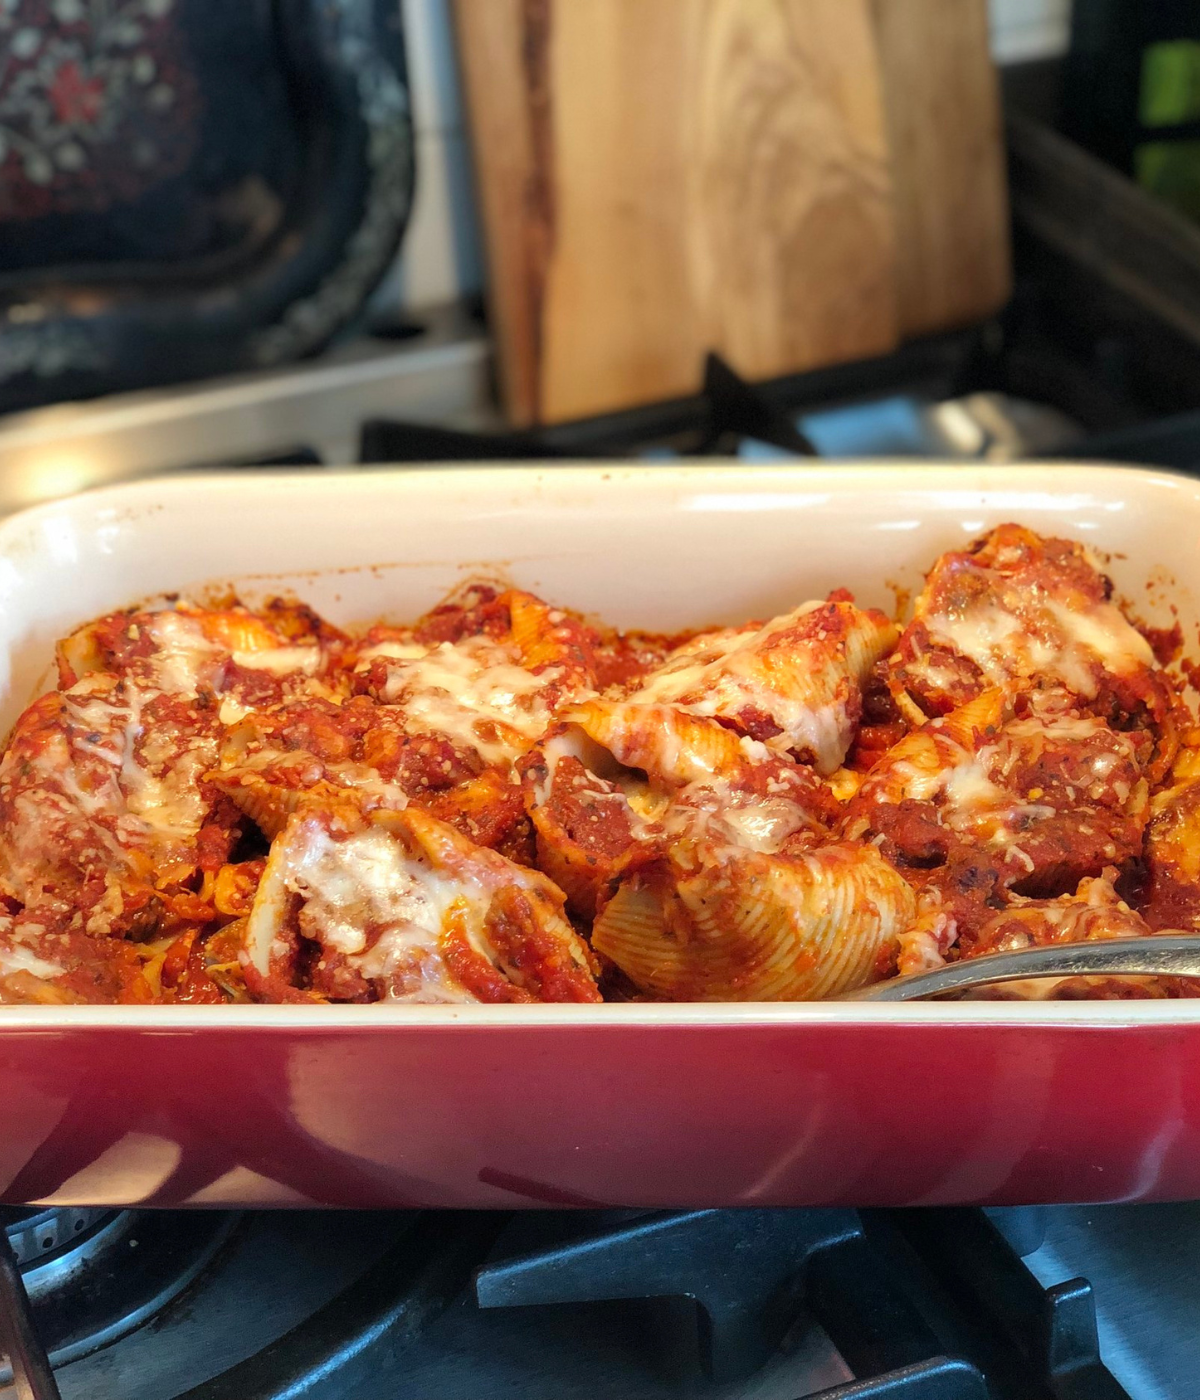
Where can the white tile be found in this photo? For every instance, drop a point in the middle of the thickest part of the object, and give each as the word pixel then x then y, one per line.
pixel 432 67
pixel 1018 12
pixel 1026 29
pixel 1021 43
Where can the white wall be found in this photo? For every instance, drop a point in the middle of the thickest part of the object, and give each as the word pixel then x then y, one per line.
pixel 441 258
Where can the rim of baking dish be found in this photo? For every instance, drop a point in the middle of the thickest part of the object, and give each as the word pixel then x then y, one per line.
pixel 379 1016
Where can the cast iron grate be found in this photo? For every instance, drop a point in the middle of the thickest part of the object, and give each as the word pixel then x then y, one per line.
pixel 728 411
pixel 920 1305
pixel 932 1305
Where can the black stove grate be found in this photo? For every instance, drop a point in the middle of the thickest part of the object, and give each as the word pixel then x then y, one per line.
pixel 353 1341
pixel 933 1303
pixel 19 1341
pixel 728 411
pixel 920 1305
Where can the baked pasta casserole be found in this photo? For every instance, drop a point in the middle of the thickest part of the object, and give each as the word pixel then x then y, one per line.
pixel 506 802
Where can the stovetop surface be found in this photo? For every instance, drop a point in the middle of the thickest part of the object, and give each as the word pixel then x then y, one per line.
pixel 922 1305
pixel 1141 1262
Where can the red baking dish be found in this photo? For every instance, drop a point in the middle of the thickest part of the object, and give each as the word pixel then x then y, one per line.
pixel 618 1105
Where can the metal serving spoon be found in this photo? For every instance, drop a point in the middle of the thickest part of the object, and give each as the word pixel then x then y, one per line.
pixel 1171 954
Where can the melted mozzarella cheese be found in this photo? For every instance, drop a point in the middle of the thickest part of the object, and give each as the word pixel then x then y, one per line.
pixel 354 884
pixel 808 702
pixel 1065 644
pixel 182 653
pixel 171 804
pixel 968 787
pixel 184 658
pixel 393 651
pixel 971 797
pixel 1062 728
pixel 14 957
pixel 694 666
pixel 281 661
pixel 474 696
pixel 982 632
pixel 687 668
pixel 1104 632
pixel 761 826
pixel 365 885
pixel 168 804
pixel 232 710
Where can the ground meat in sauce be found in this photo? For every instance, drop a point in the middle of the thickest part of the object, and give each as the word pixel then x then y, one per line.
pixel 1009 582
pixel 1052 798
pixel 601 825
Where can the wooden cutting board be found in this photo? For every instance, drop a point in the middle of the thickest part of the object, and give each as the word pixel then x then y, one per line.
pixel 660 178
pixel 948 172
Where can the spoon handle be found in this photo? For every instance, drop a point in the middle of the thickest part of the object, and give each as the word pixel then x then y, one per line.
pixel 1171 954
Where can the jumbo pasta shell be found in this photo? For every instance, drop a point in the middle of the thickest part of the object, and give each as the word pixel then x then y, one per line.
pixel 744 926
pixel 915 769
pixel 270 805
pixel 635 932
pixel 577 873
pixel 971 724
pixel 580 873
pixel 795 682
pixel 670 745
pixel 1187 761
pixel 79 655
pixel 401 905
pixel 550 637
pixel 583 822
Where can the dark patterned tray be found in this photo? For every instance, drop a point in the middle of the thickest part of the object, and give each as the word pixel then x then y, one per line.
pixel 191 187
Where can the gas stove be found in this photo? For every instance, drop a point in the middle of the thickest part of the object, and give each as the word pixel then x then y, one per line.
pixel 712 1305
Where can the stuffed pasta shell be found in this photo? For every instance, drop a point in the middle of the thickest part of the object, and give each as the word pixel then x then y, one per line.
pixel 105 813
pixel 616 782
pixel 1019 610
pixel 486 679
pixel 794 683
pixel 724 923
pixel 1051 794
pixel 1094 911
pixel 399 906
pixel 242 659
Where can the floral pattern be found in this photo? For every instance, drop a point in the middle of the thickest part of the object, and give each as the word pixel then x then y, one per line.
pixel 75 129
pixel 96 103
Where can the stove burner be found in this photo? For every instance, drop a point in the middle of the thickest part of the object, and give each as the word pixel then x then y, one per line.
pixel 357 1335
pixel 33 1234
pixel 83 1278
pixel 238 1323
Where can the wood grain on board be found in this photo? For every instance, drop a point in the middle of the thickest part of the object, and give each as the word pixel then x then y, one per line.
pixel 948 168
pixel 664 177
